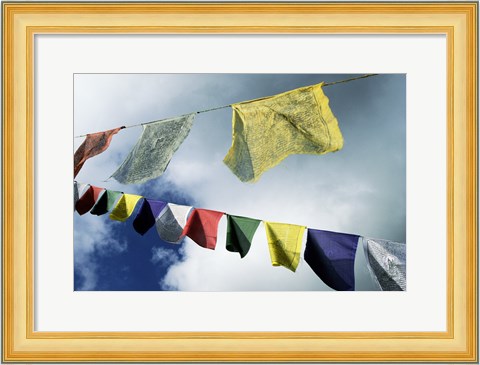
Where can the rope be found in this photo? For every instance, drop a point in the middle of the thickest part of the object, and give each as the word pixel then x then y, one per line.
pixel 229 105
pixel 348 80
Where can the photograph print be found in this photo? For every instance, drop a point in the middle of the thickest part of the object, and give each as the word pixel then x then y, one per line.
pixel 239 182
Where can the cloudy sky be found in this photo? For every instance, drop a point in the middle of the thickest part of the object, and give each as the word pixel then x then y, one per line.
pixel 359 190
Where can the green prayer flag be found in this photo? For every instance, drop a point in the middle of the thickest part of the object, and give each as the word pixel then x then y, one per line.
pixel 106 202
pixel 240 231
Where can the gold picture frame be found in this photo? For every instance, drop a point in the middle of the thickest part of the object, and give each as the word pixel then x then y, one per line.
pixel 458 21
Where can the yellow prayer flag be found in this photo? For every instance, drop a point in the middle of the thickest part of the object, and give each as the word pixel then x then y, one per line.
pixel 284 243
pixel 267 130
pixel 125 206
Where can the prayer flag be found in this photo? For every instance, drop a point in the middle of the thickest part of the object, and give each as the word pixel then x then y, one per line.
pixel 202 226
pixel 106 202
pixel 240 232
pixel 284 243
pixel 75 194
pixel 331 256
pixel 386 261
pixel 124 208
pixel 94 144
pixel 87 201
pixel 267 130
pixel 78 190
pixel 154 149
pixel 171 221
pixel 147 215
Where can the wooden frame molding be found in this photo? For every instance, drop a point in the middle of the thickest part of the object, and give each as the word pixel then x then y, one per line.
pixel 458 21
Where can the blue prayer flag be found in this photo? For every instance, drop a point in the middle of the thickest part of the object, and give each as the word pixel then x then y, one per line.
pixel 147 215
pixel 331 256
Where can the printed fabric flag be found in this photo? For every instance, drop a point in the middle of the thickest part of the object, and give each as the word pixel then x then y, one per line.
pixel 171 221
pixel 331 256
pixel 154 149
pixel 124 208
pixel 240 232
pixel 147 215
pixel 93 145
pixel 106 202
pixel 78 190
pixel 87 200
pixel 386 261
pixel 284 243
pixel 267 130
pixel 202 227
pixel 75 194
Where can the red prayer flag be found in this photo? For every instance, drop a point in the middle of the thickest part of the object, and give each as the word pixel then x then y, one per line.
pixel 88 200
pixel 93 145
pixel 202 226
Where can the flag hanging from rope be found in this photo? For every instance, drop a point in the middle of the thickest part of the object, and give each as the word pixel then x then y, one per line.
pixel 202 226
pixel 125 206
pixel 106 202
pixel 331 256
pixel 87 200
pixel 147 215
pixel 154 149
pixel 267 130
pixel 284 243
pixel 94 144
pixel 240 232
pixel 386 261
pixel 171 221
pixel 77 192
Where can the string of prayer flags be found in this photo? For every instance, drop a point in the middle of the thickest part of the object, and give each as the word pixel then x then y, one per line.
pixel 124 208
pixel 171 221
pixel 88 199
pixel 284 243
pixel 154 149
pixel 147 215
pixel 240 232
pixel 106 202
pixel 386 261
pixel 265 131
pixel 202 227
pixel 331 256
pixel 94 144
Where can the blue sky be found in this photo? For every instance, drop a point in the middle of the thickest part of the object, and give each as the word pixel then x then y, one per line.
pixel 360 189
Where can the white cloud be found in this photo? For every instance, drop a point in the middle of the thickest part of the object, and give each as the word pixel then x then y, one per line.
pixel 163 256
pixel 92 236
